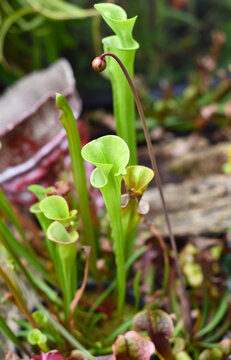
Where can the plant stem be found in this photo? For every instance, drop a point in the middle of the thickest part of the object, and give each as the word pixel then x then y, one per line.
pixel 217 335
pixel 165 255
pixel 68 121
pixel 18 298
pixel 112 198
pixel 10 335
pixel 184 302
pixel 217 317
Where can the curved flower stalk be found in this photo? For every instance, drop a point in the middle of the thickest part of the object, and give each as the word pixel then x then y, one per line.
pixel 110 155
pixel 124 46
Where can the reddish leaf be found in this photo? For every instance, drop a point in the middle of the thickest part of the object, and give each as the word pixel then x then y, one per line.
pixel 160 329
pixel 131 346
pixel 52 355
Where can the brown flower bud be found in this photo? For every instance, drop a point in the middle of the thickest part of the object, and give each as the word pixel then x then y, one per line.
pixel 99 64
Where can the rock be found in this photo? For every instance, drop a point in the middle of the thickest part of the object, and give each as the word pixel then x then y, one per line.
pixel 188 157
pixel 201 163
pixel 196 207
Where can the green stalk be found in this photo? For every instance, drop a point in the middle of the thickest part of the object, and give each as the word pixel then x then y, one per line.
pixel 68 121
pixel 123 101
pixel 112 199
pixel 17 297
pixel 99 64
pixel 136 289
pixel 68 273
pixel 218 334
pixel 37 284
pixel 205 308
pixel 218 316
pixel 4 328
pixel 45 223
pixel 107 292
pixel 15 248
pixel 124 46
pixel 110 155
pixel 7 210
pixel 10 20
pixel 70 338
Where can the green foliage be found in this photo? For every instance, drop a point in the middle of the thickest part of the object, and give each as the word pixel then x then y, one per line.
pixel 56 208
pixel 4 328
pixel 182 355
pixel 66 252
pixel 8 212
pixel 124 46
pixel 68 121
pixel 55 10
pixel 36 337
pixel 63 248
pixel 110 155
pixel 137 179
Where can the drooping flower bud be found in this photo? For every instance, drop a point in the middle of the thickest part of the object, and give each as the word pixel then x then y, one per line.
pixel 99 64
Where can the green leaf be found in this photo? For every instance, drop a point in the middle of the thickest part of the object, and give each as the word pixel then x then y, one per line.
pixel 8 22
pixel 124 46
pixel 8 211
pixel 55 207
pixel 66 261
pixel 4 328
pixel 137 179
pixel 35 208
pixel 39 191
pixel 69 123
pixel 57 233
pixel 15 248
pixel 36 337
pixel 116 18
pixel 182 355
pixel 98 179
pixel 109 153
pixel 60 10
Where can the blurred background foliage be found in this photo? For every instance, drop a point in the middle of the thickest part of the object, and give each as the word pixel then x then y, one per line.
pixel 171 33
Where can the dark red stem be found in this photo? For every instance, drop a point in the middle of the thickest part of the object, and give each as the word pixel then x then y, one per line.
pixel 155 169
